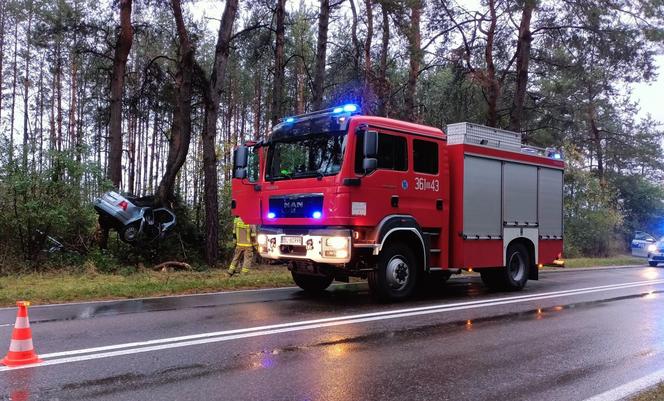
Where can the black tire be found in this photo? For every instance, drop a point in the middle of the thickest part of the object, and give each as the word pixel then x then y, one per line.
pixel 129 233
pixel 652 264
pixel 396 275
pixel 514 275
pixel 312 284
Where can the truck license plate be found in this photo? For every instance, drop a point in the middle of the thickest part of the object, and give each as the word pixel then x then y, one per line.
pixel 291 240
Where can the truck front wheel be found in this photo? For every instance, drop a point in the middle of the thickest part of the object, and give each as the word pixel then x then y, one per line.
pixel 312 284
pixel 514 275
pixel 396 275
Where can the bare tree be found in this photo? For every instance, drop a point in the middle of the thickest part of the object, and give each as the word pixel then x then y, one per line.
pixel 415 56
pixel 178 142
pixel 122 48
pixel 321 53
pixel 522 59
pixel 279 63
pixel 212 95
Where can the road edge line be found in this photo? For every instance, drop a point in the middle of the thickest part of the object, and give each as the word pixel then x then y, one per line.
pixel 631 388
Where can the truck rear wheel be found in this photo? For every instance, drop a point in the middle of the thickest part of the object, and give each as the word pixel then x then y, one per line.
pixel 514 275
pixel 395 277
pixel 312 284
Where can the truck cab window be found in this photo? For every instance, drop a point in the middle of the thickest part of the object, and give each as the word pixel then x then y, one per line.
pixel 425 156
pixel 252 167
pixel 392 152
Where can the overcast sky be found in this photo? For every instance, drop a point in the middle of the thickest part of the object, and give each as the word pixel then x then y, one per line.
pixel 650 96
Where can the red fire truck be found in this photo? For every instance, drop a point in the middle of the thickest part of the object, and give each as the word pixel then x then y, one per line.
pixel 337 195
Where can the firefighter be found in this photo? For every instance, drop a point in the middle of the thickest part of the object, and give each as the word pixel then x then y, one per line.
pixel 244 246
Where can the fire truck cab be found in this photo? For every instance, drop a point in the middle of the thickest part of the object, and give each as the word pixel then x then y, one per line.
pixel 337 195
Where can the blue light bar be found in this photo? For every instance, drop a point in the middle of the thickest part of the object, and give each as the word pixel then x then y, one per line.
pixel 557 156
pixel 290 119
pixel 271 215
pixel 317 215
pixel 347 108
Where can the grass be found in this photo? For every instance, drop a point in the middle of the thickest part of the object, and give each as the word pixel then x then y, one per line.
pixel 613 261
pixel 43 288
pixel 67 287
pixel 654 394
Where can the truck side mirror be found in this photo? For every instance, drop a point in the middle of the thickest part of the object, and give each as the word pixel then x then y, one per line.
pixel 371 144
pixel 240 159
pixel 370 162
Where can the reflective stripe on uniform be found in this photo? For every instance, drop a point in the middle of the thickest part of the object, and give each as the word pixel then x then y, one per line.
pixel 242 233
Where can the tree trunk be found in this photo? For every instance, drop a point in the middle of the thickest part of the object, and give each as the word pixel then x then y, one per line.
pixel 258 103
pixel 278 83
pixel 321 53
pixel 3 11
pixel 522 59
pixel 26 91
pixel 209 135
pixel 178 144
pixel 491 83
pixel 58 89
pixel 299 87
pixel 368 97
pixel 122 48
pixel 356 42
pixel 383 85
pixel 415 54
pixel 11 124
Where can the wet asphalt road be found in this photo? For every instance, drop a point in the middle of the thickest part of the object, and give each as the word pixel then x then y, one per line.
pixel 477 346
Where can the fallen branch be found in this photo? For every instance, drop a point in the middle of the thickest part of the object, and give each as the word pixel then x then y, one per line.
pixel 172 266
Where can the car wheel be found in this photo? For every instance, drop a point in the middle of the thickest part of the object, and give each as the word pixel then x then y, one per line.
pixel 129 233
pixel 652 264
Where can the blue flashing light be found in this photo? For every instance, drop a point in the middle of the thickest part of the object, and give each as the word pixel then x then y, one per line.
pixel 316 214
pixel 557 156
pixel 290 119
pixel 346 108
pixel 271 215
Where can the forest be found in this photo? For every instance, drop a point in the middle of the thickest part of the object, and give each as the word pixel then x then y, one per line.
pixel 151 96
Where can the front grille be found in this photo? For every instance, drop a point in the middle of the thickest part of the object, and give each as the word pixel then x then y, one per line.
pixel 296 205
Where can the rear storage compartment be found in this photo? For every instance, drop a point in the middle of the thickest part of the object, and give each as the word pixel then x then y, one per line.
pixel 501 191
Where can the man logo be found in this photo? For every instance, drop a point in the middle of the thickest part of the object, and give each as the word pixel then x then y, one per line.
pixel 293 204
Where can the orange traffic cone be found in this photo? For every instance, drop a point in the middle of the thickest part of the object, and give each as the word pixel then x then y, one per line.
pixel 21 350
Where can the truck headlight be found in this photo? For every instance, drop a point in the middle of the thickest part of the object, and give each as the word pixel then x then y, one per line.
pixel 652 248
pixel 336 243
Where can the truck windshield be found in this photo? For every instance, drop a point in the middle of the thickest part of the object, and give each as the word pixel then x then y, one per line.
pixel 314 155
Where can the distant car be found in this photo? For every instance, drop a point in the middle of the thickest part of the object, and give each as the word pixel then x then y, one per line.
pixel 641 243
pixel 656 253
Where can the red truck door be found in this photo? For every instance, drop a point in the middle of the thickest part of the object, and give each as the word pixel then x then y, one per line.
pixel 245 193
pixel 381 191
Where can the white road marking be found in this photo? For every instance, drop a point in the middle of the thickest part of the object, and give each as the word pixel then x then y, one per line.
pixel 219 336
pixel 569 270
pixel 630 388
